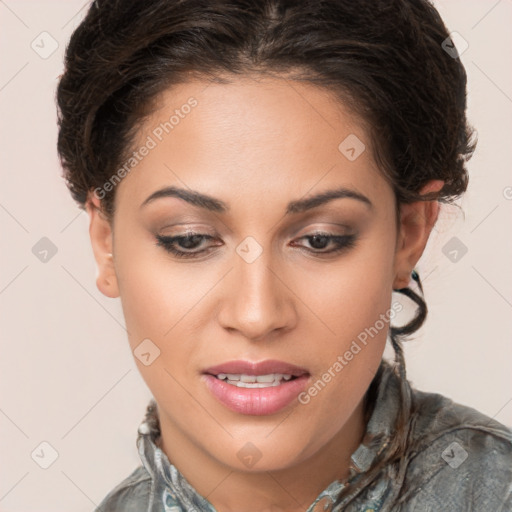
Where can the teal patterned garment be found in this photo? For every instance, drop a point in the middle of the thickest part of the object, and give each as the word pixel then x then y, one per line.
pixel 458 460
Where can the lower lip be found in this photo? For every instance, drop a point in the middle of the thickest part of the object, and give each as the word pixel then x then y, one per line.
pixel 256 401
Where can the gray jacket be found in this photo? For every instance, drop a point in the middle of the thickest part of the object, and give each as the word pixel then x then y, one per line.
pixel 461 462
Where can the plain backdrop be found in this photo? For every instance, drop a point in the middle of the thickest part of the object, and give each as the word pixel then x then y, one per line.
pixel 67 376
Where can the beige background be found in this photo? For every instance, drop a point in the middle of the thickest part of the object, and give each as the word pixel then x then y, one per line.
pixel 67 376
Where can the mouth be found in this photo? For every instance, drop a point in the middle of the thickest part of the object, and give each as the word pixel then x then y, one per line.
pixel 269 372
pixel 259 388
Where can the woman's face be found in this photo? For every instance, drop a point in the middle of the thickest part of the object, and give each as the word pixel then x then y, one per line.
pixel 256 284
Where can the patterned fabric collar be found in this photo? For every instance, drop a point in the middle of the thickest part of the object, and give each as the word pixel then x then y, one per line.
pixel 174 493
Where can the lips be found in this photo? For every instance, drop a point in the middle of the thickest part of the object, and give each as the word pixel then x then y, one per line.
pixel 260 368
pixel 242 394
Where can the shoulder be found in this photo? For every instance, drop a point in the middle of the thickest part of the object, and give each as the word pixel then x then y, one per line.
pixel 460 459
pixel 130 495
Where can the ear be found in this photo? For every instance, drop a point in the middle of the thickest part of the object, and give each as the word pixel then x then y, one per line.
pixel 416 222
pixel 101 236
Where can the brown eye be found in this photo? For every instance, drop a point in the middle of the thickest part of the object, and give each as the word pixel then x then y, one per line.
pixel 321 240
pixel 188 242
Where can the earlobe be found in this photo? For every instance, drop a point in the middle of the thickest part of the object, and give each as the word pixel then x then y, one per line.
pixel 416 222
pixel 101 235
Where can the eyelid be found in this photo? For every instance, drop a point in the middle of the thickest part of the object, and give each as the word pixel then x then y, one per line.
pixel 334 228
pixel 179 230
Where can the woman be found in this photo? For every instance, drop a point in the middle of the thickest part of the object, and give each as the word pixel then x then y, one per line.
pixel 260 177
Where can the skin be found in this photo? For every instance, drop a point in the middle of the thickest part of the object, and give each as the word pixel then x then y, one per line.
pixel 257 144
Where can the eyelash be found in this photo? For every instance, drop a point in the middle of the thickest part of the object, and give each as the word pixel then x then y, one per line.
pixel 343 242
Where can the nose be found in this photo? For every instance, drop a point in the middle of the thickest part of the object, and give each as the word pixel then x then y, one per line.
pixel 257 301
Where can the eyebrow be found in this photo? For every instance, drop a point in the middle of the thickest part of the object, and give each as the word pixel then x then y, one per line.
pixel 216 205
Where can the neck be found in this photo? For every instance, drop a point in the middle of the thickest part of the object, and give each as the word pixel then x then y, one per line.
pixel 290 489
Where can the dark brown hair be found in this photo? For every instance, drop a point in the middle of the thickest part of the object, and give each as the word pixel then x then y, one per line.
pixel 384 59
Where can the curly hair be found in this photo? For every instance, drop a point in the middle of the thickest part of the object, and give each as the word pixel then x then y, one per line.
pixel 383 59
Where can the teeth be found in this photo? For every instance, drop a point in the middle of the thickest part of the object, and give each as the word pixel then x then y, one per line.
pixel 266 378
pixel 254 381
pixel 241 384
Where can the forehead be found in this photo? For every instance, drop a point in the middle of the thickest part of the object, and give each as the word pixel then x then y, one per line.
pixel 251 136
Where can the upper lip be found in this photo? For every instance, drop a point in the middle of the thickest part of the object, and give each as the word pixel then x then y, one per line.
pixel 259 368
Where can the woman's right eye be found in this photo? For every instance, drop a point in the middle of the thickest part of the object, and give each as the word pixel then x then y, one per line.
pixel 188 241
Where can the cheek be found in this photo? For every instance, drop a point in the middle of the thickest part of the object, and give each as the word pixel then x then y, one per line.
pixel 156 297
pixel 155 293
pixel 349 294
pixel 353 302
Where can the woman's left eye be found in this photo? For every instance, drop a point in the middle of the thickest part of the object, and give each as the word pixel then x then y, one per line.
pixel 320 240
pixel 190 241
